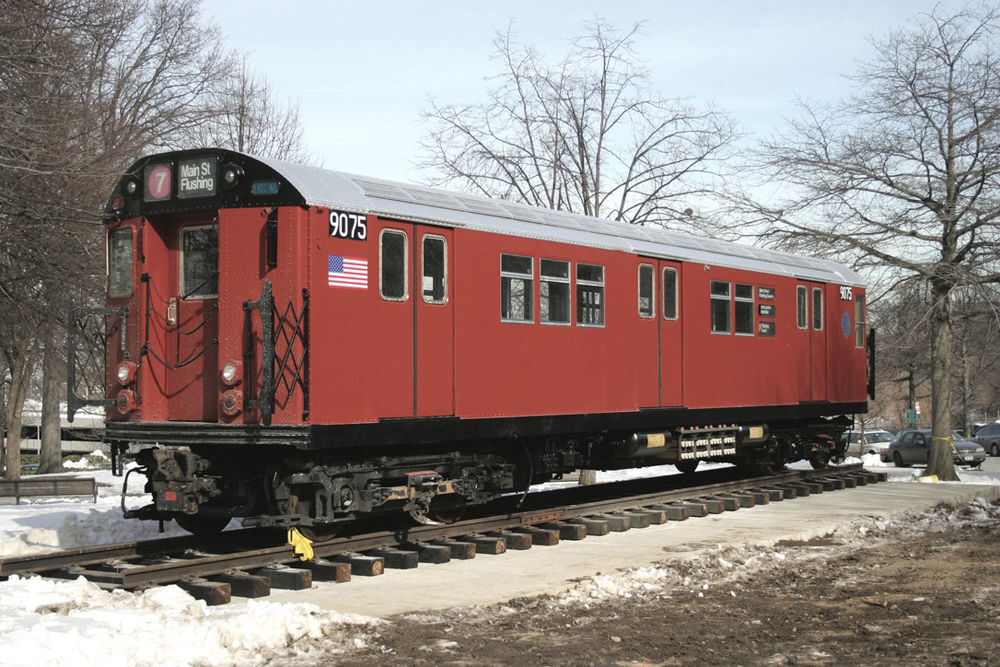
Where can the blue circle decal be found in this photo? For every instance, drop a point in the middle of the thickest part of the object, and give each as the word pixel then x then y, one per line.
pixel 845 325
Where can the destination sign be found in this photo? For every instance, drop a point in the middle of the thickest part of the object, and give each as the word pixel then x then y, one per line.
pixel 765 328
pixel 197 177
pixel 765 294
pixel 765 309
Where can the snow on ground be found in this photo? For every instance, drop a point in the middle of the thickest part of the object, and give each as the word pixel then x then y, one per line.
pixel 46 622
pixel 732 564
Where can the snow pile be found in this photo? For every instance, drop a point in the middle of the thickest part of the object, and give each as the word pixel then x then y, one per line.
pixel 39 525
pixel 54 623
pixel 86 462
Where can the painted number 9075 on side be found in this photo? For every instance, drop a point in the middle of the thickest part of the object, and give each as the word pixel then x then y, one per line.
pixel 352 226
pixel 846 293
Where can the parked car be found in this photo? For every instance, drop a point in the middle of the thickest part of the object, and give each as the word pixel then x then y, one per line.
pixel 914 447
pixel 872 441
pixel 988 435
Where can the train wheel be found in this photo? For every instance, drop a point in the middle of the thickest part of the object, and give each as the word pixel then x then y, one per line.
pixel 687 466
pixel 202 526
pixel 447 512
pixel 819 460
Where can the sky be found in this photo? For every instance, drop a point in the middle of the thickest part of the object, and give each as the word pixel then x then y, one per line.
pixel 361 72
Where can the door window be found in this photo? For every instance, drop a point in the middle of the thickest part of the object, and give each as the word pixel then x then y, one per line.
pixel 817 309
pixel 200 262
pixel 670 294
pixel 393 265
pixel 647 308
pixel 435 266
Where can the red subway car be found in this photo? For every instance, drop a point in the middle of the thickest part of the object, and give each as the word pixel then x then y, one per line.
pixel 301 347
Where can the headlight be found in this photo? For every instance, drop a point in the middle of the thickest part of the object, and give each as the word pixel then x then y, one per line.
pixel 231 373
pixel 126 372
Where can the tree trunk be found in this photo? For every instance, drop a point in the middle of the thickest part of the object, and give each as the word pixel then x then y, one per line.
pixel 966 409
pixel 911 387
pixel 20 379
pixel 940 460
pixel 53 372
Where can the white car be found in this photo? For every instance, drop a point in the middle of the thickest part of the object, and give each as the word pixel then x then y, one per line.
pixel 870 441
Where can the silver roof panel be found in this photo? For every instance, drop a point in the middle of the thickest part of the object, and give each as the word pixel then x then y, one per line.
pixel 342 191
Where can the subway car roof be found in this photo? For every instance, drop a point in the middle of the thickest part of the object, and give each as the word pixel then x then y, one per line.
pixel 268 182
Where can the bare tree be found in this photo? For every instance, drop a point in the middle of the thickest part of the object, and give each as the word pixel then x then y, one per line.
pixel 586 135
pixel 903 361
pixel 85 85
pixel 976 350
pixel 904 173
pixel 248 119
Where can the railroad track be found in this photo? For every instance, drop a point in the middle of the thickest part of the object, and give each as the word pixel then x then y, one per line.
pixel 249 563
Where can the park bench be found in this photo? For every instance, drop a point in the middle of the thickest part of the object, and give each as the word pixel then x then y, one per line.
pixel 47 487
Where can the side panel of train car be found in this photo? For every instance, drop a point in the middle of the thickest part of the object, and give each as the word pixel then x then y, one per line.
pixel 303 347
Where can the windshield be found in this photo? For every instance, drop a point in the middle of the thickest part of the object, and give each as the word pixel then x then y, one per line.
pixel 878 437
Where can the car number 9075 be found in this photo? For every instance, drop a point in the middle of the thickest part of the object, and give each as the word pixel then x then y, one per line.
pixel 352 226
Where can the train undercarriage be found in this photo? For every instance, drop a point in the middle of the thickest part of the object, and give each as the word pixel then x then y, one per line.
pixel 204 486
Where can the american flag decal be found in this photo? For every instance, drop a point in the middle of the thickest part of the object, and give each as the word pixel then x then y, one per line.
pixel 347 272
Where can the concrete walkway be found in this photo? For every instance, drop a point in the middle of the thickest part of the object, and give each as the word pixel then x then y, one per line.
pixel 488 579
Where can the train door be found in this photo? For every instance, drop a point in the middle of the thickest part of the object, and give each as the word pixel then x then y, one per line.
pixel 817 341
pixel 394 322
pixel 434 323
pixel 191 323
pixel 671 343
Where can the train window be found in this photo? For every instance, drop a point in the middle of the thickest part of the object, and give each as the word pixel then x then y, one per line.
pixel 516 287
pixel 744 310
pixel 392 282
pixel 553 300
pixel 200 262
pixel 647 304
pixel 435 269
pixel 800 307
pixel 720 307
pixel 590 295
pixel 670 294
pixel 120 263
pixel 859 320
pixel 817 309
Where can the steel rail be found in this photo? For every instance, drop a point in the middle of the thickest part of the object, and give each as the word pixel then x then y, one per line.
pixel 174 559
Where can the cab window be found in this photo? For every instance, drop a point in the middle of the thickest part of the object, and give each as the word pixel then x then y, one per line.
pixel 859 320
pixel 120 262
